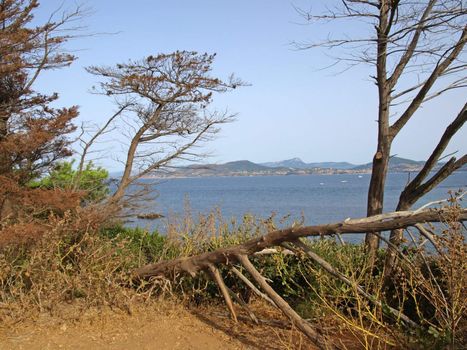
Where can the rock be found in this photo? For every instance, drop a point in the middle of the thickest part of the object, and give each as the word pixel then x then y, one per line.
pixel 150 216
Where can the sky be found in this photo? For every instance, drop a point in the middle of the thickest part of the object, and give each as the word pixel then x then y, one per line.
pixel 293 107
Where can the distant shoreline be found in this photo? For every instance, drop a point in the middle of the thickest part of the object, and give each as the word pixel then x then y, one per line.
pixel 155 177
pixel 245 168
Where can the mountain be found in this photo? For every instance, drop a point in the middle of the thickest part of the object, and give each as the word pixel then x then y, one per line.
pixel 297 163
pixel 396 164
pixel 294 166
pixel 236 168
pixel 240 165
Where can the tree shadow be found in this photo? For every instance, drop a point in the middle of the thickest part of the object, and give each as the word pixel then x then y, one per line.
pixel 268 337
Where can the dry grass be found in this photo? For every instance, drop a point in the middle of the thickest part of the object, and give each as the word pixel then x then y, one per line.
pixel 429 287
pixel 69 262
pixel 76 266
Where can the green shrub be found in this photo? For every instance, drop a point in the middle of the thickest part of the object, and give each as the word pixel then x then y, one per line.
pixel 93 180
pixel 148 246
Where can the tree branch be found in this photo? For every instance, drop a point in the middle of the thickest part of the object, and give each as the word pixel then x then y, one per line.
pixel 390 221
pixel 436 73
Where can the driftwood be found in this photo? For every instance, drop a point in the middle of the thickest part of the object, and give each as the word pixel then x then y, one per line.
pixel 290 238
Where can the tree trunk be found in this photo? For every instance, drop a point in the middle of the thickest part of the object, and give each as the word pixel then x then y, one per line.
pixel 381 158
pixel 3 133
pixel 376 191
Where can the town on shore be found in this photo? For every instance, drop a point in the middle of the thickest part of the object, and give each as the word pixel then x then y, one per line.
pixel 294 166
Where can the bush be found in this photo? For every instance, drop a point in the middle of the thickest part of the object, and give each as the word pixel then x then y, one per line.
pixel 147 246
pixel 69 262
pixel 92 179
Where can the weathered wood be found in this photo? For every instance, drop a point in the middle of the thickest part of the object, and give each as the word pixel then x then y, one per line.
pixel 224 290
pixel 384 222
pixel 303 325
pixel 252 286
pixel 243 305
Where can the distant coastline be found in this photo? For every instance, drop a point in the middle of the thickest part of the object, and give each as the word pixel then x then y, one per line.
pixel 294 166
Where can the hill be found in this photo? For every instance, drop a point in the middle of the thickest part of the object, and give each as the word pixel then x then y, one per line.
pixel 235 168
pixel 293 166
pixel 240 165
pixel 297 163
pixel 396 164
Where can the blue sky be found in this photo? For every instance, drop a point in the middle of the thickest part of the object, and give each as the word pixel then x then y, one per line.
pixel 293 108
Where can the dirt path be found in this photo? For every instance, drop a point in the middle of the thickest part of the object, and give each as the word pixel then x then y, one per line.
pixel 172 328
pixel 139 331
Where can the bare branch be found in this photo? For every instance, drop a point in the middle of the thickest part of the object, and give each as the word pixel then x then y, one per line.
pixel 414 190
pixel 89 144
pixel 378 223
pixel 223 288
pixel 437 71
pixel 281 303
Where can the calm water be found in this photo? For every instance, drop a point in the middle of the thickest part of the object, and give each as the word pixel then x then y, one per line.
pixel 320 198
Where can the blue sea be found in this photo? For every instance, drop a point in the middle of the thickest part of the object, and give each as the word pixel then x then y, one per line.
pixel 318 198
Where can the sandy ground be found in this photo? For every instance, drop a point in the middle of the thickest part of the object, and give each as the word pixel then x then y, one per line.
pixel 171 327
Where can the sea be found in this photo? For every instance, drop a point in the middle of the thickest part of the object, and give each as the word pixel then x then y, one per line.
pixel 317 199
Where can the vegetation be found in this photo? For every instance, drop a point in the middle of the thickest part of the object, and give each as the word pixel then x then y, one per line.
pixel 92 180
pixel 93 268
pixel 61 237
pixel 166 97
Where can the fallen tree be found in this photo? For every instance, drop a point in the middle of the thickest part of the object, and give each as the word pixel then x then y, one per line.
pixel 290 238
pixel 383 222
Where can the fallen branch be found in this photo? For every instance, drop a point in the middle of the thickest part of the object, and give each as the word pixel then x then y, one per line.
pixel 209 260
pixel 243 305
pixel 252 286
pixel 303 325
pixel 390 221
pixel 224 290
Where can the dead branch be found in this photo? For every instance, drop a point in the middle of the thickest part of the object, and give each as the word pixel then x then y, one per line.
pixel 252 286
pixel 223 288
pixel 87 145
pixel 243 305
pixel 418 187
pixel 390 221
pixel 414 190
pixel 281 303
pixel 208 261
